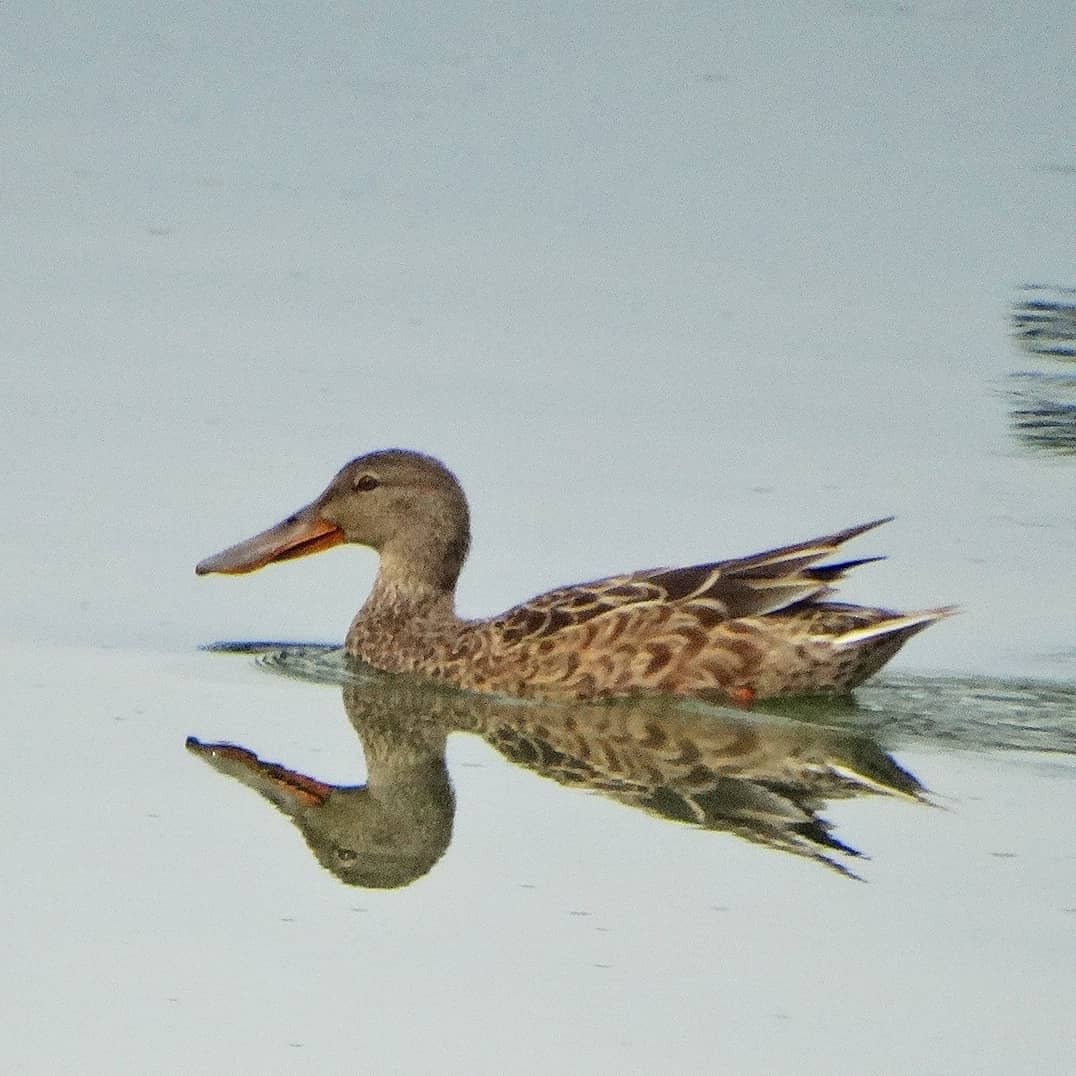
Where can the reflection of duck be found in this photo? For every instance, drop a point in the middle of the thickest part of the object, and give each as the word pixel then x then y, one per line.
pixel 383 834
pixel 753 627
pixel 762 780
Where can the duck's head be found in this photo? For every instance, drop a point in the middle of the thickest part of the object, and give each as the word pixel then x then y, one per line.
pixel 407 506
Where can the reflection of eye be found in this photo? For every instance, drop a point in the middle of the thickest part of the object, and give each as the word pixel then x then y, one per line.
pixel 345 855
pixel 366 482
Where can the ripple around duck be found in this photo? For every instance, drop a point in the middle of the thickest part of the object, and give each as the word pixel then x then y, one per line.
pixel 319 663
pixel 968 713
pixel 963 712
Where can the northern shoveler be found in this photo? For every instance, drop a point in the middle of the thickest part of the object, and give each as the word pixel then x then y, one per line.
pixel 734 630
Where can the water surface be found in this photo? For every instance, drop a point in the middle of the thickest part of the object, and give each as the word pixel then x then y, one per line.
pixel 662 285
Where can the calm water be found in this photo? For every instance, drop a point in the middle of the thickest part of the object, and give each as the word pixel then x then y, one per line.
pixel 661 286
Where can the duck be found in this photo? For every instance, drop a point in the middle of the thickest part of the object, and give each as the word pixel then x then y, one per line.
pixel 730 631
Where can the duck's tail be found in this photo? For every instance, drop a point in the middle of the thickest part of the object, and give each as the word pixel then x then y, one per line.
pixel 898 628
pixel 866 649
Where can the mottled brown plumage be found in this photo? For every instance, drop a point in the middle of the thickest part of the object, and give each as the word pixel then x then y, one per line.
pixel 752 627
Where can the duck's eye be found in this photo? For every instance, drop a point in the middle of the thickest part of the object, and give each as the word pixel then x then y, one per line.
pixel 366 482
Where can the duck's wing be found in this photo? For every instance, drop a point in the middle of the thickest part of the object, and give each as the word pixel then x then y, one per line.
pixel 746 586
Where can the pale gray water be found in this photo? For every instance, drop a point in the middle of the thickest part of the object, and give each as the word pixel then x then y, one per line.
pixel 661 284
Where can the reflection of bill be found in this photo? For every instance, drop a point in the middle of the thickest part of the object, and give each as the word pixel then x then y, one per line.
pixel 764 780
pixel 1043 411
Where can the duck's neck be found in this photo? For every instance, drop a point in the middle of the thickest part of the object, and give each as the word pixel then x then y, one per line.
pixel 411 609
pixel 399 626
pixel 402 596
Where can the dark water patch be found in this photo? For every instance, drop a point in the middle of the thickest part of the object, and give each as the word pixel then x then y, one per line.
pixel 1042 411
pixel 1044 320
pixel 257 646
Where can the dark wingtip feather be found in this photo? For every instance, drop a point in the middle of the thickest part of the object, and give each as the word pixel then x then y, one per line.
pixel 828 573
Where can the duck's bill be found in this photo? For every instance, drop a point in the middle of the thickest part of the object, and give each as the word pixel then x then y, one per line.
pixel 298 536
pixel 289 790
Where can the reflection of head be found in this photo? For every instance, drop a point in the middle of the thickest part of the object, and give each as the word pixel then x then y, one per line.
pixel 382 835
pixel 382 843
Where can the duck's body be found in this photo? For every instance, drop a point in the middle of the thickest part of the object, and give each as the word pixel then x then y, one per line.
pixel 754 627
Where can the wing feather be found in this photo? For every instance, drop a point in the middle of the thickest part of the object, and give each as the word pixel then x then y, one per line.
pixel 745 586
